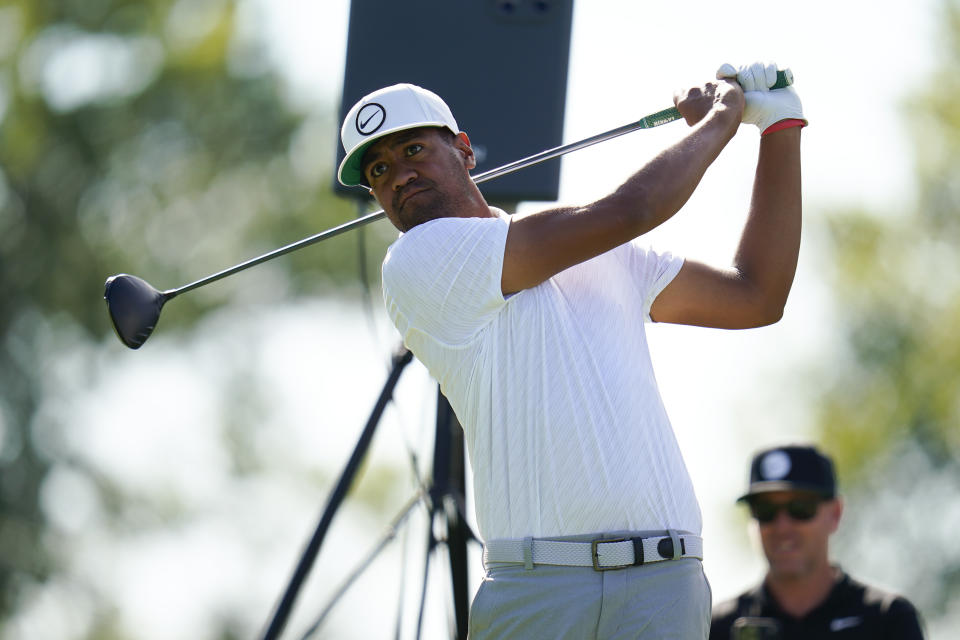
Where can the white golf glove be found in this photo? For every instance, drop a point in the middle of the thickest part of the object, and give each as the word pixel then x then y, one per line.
pixel 764 107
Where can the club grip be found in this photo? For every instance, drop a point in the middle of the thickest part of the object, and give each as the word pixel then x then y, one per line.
pixel 784 79
pixel 784 76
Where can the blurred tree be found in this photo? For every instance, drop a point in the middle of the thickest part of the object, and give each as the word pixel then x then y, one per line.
pixel 889 402
pixel 145 136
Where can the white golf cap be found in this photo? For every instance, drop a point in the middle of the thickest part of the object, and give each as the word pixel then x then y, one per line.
pixel 386 111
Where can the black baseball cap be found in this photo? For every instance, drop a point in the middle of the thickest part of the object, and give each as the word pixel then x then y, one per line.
pixel 791 468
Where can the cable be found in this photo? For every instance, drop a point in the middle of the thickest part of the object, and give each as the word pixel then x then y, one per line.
pixel 431 545
pixel 285 605
pixel 389 534
pixel 398 625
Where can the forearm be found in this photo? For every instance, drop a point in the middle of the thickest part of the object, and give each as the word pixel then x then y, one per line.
pixel 545 243
pixel 753 291
pixel 769 246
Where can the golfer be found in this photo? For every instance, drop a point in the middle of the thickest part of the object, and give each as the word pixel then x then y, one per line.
pixel 534 327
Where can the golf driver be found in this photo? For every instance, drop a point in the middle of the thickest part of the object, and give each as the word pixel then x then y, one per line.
pixel 134 305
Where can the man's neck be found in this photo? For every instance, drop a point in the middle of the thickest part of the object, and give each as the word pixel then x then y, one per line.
pixel 799 595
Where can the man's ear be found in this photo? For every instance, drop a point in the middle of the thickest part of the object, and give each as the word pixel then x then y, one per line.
pixel 462 143
pixel 836 512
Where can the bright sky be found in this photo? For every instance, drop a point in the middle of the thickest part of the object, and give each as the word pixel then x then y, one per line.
pixel 852 60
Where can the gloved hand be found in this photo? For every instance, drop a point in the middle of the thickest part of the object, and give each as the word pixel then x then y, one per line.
pixel 763 106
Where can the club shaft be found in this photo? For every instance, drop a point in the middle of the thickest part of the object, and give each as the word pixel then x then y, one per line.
pixel 276 253
pixel 653 120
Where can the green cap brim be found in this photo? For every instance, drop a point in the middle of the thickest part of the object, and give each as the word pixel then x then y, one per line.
pixel 351 169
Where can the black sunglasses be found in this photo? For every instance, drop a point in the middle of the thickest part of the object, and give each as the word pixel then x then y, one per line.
pixel 800 509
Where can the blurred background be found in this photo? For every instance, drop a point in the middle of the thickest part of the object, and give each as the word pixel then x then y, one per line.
pixel 167 492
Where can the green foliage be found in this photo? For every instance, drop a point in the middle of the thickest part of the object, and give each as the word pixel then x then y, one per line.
pixel 145 137
pixel 898 295
pixel 890 410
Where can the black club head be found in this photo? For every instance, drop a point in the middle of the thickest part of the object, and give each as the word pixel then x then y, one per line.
pixel 134 307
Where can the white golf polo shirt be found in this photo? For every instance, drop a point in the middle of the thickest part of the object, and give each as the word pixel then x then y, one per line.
pixel 553 385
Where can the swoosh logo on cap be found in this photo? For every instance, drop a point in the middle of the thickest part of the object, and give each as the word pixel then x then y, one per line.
pixel 370 118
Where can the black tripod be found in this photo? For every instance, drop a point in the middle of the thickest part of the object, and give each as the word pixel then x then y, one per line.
pixel 446 502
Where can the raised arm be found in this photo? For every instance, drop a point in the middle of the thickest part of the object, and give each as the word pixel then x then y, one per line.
pixel 542 244
pixel 754 290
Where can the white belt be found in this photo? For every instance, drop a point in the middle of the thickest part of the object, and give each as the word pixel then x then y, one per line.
pixel 601 554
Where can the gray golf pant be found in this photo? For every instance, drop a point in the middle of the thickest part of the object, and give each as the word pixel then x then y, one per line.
pixel 667 600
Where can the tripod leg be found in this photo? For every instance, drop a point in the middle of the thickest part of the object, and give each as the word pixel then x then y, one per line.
pixel 282 612
pixel 449 487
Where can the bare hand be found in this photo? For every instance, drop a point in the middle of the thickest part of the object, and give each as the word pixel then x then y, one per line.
pixel 696 102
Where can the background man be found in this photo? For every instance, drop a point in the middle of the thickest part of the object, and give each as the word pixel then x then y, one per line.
pixel 793 498
pixel 533 326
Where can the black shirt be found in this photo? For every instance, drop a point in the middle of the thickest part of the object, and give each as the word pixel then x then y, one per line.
pixel 852 611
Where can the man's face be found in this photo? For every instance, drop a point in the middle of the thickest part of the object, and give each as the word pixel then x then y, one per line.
pixel 420 175
pixel 795 547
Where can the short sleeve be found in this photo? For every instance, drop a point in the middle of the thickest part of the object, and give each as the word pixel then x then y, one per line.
pixel 442 278
pixel 651 272
pixel 902 621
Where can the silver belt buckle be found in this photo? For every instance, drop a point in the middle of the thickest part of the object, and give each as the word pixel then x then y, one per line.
pixel 596 558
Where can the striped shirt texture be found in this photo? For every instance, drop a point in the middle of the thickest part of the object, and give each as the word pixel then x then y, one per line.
pixel 554 386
